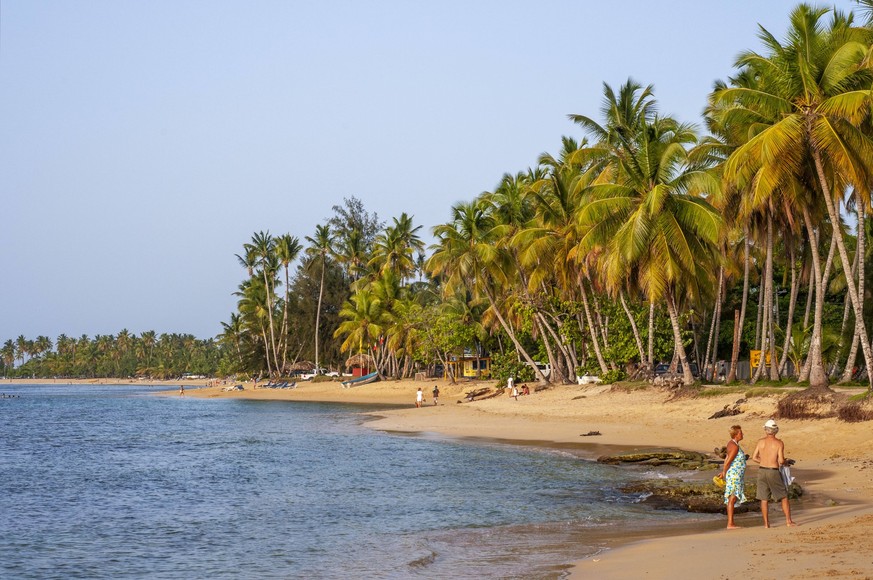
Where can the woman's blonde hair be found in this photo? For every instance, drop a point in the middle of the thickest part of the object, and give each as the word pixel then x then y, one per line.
pixel 734 430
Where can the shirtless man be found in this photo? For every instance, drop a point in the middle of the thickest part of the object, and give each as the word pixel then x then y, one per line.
pixel 770 453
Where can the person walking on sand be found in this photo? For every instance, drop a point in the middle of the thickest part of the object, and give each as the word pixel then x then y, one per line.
pixel 419 398
pixel 734 474
pixel 436 395
pixel 181 390
pixel 514 393
pixel 770 454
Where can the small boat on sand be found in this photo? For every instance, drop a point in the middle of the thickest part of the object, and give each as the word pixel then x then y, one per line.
pixel 364 380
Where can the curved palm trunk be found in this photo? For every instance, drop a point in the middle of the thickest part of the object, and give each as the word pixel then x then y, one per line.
pixel 721 293
pixel 318 315
pixel 266 349
pixel 633 324
pixel 595 343
pixel 709 370
pixel 557 372
pixel 687 377
pixel 519 349
pixel 565 354
pixel 844 258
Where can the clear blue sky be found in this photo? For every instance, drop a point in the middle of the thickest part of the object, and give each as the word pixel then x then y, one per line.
pixel 142 143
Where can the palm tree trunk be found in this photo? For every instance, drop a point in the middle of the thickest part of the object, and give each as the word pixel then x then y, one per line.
pixel 833 214
pixel 594 341
pixel 318 314
pixel 651 336
pixel 795 288
pixel 565 363
pixel 719 302
pixel 858 266
pixel 272 345
pixel 817 376
pixel 266 349
pixel 518 348
pixel 760 315
pixel 283 339
pixel 738 332
pixel 687 377
pixel 633 324
pixel 713 331
pixel 774 363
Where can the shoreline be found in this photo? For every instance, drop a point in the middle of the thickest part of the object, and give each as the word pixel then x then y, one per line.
pixel 834 463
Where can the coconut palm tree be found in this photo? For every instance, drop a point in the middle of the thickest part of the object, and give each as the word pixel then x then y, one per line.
pixel 468 256
pixel 813 98
pixel 287 249
pixel 649 217
pixel 394 249
pixel 320 250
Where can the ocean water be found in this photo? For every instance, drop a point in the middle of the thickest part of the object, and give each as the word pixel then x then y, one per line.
pixel 114 482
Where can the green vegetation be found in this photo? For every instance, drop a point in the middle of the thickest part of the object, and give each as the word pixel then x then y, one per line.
pixel 124 355
pixel 640 241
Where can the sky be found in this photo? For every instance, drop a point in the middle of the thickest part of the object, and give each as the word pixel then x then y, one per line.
pixel 143 143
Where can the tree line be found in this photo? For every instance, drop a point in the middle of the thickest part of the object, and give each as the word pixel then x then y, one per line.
pixel 643 239
pixel 126 354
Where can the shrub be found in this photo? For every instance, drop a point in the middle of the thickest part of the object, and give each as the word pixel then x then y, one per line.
pixel 613 376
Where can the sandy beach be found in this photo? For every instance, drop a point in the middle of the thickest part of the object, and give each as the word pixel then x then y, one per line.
pixel 834 467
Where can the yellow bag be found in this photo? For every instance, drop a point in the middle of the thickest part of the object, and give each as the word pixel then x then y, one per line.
pixel 719 482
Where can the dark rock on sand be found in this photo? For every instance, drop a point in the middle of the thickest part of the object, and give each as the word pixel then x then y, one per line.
pixel 698 497
pixel 688 460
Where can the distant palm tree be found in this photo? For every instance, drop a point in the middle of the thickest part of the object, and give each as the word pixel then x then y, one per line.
pixel 287 249
pixel 320 249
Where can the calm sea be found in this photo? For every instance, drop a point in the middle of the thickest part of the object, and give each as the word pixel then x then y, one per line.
pixel 114 482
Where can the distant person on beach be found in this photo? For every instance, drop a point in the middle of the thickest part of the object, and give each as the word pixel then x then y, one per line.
pixel 436 395
pixel 734 474
pixel 770 453
pixel 181 390
pixel 514 393
pixel 525 390
pixel 510 382
pixel 419 398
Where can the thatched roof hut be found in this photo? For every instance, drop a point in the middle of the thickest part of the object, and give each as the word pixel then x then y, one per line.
pixel 302 366
pixel 361 360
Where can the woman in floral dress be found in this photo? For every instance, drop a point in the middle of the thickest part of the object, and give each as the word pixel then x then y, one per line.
pixel 734 472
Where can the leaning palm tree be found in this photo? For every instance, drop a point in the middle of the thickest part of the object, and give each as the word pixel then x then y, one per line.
pixel 320 249
pixel 467 255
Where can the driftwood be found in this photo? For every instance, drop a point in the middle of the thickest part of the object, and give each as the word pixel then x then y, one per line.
pixel 729 410
pixel 481 394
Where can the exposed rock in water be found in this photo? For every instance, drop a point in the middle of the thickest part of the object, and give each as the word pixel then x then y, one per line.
pixel 697 497
pixel 689 460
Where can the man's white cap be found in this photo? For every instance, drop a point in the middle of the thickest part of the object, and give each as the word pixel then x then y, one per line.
pixel 771 424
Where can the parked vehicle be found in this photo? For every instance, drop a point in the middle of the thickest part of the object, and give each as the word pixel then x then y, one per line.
pixel 545 368
pixel 663 368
